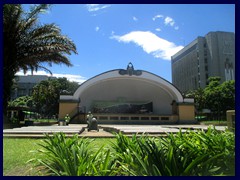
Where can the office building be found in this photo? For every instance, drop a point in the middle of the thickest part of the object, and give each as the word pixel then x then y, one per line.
pixel 208 56
pixel 24 85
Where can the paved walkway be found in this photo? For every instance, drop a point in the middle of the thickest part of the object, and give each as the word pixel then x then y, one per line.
pixel 105 130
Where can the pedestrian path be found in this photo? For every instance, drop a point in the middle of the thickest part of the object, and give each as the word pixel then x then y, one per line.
pixel 106 130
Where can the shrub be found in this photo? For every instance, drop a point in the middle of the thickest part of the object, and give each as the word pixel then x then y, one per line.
pixel 189 154
pixel 62 156
pixel 193 153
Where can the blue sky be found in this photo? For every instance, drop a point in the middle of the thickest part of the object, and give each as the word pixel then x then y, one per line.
pixel 109 36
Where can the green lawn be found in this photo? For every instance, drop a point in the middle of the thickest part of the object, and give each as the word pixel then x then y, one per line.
pixel 215 123
pixel 17 151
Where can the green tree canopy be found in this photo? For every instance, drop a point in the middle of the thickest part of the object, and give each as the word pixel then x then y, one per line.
pixel 24 101
pixel 227 89
pixel 66 86
pixel 28 44
pixel 199 98
pixel 216 96
pixel 213 94
pixel 46 94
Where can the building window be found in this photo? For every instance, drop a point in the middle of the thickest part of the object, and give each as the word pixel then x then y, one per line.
pixel 30 91
pixel 229 75
pixel 205 52
pixel 205 60
pixel 165 118
pixel 21 92
pixel 206 76
pixel 206 68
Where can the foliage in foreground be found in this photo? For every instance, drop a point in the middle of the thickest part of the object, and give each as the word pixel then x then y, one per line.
pixel 188 154
pixel 184 154
pixel 62 156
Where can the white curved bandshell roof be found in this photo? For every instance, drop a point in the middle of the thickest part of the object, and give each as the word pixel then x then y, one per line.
pixel 114 76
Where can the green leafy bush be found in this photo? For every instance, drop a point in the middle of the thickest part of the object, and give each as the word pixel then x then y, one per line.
pixel 63 156
pixel 193 153
pixel 189 154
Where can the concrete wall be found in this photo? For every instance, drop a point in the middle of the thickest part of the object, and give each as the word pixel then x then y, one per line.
pixel 186 113
pixel 231 119
pixel 66 108
pixel 221 46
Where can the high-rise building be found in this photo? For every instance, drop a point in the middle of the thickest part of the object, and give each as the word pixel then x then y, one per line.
pixel 208 56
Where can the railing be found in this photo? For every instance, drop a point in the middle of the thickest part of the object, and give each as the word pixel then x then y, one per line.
pixel 136 118
pixel 126 118
pixel 76 111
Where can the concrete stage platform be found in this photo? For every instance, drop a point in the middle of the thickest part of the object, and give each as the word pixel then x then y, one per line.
pixel 106 130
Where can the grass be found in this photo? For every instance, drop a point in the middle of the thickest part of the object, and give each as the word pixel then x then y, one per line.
pixel 45 120
pixel 98 142
pixel 16 154
pixel 192 153
pixel 214 122
pixel 17 151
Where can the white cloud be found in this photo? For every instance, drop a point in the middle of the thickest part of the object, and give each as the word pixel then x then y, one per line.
pixel 169 21
pixel 70 77
pixel 158 29
pixel 96 7
pixel 151 43
pixel 135 19
pixel 157 16
pixel 97 28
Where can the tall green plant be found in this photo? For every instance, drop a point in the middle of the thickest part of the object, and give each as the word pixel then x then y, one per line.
pixel 189 154
pixel 63 156
pixel 217 146
pixel 193 153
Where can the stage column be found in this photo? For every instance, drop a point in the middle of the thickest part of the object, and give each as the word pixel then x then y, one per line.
pixel 67 107
pixel 186 112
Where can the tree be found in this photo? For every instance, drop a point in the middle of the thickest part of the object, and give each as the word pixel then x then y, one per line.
pixel 66 86
pixel 213 95
pixel 24 101
pixel 227 89
pixel 220 97
pixel 46 97
pixel 217 97
pixel 46 94
pixel 28 44
pixel 199 98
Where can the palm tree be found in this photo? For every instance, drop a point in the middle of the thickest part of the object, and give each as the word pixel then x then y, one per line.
pixel 28 44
